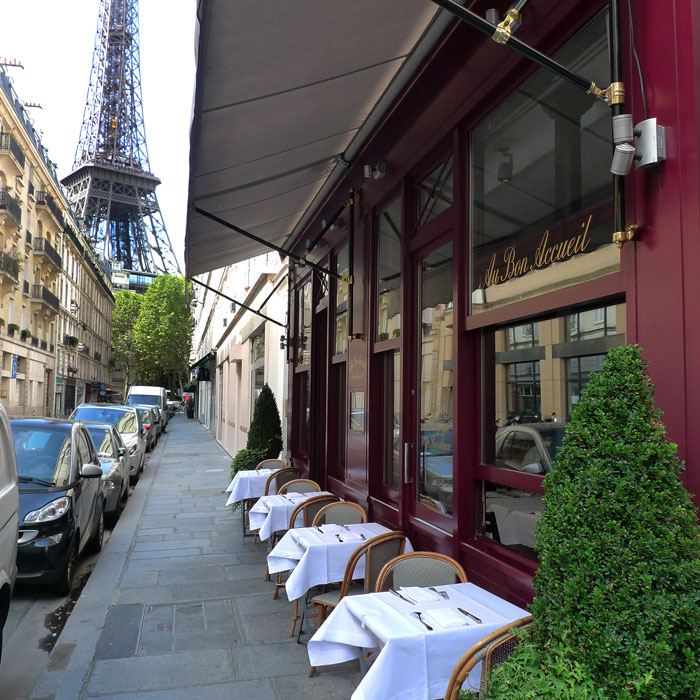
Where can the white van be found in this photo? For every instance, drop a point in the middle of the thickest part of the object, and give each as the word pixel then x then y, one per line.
pixel 149 396
pixel 9 519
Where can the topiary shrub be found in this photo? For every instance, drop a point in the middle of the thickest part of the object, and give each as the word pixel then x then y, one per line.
pixel 618 587
pixel 264 434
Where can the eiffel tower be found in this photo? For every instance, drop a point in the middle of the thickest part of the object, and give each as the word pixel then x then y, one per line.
pixel 112 189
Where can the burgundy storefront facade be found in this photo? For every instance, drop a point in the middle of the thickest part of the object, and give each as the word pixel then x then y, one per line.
pixel 480 285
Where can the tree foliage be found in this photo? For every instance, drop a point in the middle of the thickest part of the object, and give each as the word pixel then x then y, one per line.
pixel 126 312
pixel 152 332
pixel 618 587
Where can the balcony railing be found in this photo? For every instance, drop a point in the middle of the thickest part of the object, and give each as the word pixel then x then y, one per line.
pixel 35 342
pixel 43 247
pixel 9 266
pixel 25 287
pixel 43 345
pixel 44 199
pixel 40 293
pixel 11 205
pixel 8 143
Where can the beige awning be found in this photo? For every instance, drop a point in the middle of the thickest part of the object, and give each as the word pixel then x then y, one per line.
pixel 283 90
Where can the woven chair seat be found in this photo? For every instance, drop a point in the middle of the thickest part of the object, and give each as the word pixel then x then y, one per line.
pixel 332 598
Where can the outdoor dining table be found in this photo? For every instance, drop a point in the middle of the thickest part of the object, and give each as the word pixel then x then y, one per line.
pixel 413 663
pixel 272 513
pixel 248 484
pixel 319 555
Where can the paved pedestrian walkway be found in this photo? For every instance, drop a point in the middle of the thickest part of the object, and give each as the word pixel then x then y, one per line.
pixel 176 607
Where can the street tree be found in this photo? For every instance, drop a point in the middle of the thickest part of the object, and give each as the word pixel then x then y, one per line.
pixel 127 306
pixel 163 332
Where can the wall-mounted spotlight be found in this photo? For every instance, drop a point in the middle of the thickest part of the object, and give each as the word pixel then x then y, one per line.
pixel 505 167
pixel 375 172
pixel 649 144
pixel 283 342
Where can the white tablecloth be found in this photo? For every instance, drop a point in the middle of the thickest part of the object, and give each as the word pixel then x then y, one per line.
pixel 271 513
pixel 413 663
pixel 516 517
pixel 248 483
pixel 316 558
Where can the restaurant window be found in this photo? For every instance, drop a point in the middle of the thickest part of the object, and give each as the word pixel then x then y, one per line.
pixel 304 413
pixel 342 268
pixel 304 310
pixel 529 391
pixel 336 463
pixel 542 208
pixel 257 367
pixel 434 193
pixel 436 376
pixel 391 418
pixel 389 272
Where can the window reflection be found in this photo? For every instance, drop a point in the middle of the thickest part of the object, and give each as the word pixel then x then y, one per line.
pixel 391 418
pixel 389 272
pixel 304 324
pixel 510 516
pixel 342 267
pixel 436 385
pixel 434 194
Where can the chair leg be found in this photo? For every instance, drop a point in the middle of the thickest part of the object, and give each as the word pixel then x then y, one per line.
pixel 303 617
pixel 279 583
pixel 312 671
pixel 295 618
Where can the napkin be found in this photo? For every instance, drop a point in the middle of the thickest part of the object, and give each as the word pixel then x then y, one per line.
pixel 419 595
pixel 447 617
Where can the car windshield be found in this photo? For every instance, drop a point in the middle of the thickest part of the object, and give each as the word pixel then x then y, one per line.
pixel 145 414
pixel 101 438
pixel 148 399
pixel 552 439
pixel 122 419
pixel 43 454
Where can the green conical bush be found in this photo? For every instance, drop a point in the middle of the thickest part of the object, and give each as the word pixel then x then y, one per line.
pixel 618 587
pixel 265 432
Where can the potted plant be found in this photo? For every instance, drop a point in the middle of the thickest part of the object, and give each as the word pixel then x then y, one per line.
pixel 25 334
pixel 12 328
pixel 2 322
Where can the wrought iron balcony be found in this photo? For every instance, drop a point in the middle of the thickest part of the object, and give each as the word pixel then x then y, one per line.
pixel 43 247
pixel 44 296
pixel 9 204
pixel 9 267
pixel 8 144
pixel 44 199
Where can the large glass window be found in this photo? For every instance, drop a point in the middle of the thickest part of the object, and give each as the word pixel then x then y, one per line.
pixel 391 418
pixel 342 267
pixel 257 368
pixel 304 311
pixel 434 193
pixel 339 424
pixel 389 272
pixel 436 381
pixel 541 215
pixel 304 414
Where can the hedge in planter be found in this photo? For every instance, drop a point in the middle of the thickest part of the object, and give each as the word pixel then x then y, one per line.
pixel 618 588
pixel 264 434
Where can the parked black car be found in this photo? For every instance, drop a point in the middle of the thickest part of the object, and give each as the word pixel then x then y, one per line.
pixel 61 499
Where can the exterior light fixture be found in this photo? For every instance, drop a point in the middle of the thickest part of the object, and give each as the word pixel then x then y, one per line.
pixel 622 159
pixel 505 167
pixel 374 172
pixel 649 144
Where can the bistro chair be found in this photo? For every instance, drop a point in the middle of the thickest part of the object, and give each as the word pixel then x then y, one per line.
pixel 281 477
pixel 271 464
pixel 342 513
pixel 491 651
pixel 376 551
pixel 298 486
pixel 307 509
pixel 421 569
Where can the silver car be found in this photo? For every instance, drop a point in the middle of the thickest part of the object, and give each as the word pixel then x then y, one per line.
pixel 529 447
pixel 128 424
pixel 151 431
pixel 112 454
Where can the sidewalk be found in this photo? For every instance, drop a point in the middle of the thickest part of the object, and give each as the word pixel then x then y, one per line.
pixel 176 607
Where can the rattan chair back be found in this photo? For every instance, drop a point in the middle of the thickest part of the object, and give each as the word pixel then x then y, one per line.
pixel 299 486
pixel 421 569
pixel 281 477
pixel 271 464
pixel 309 508
pixel 342 513
pixel 492 650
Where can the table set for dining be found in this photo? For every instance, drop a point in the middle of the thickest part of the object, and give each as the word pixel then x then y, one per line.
pixel 415 635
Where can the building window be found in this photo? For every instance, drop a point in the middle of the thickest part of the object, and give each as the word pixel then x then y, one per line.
pixel 594 323
pixel 523 389
pixel 391 419
pixel 342 267
pixel 304 413
pixel 388 271
pixel 434 194
pixel 304 310
pixel 542 208
pixel 257 367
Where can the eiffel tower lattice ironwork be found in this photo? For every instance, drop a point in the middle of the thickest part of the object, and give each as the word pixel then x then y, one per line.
pixel 111 188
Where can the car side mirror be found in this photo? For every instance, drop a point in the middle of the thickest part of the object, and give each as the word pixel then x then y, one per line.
pixel 90 471
pixel 533 468
pixel 121 451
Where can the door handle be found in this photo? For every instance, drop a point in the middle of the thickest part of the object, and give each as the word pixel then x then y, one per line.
pixel 407 463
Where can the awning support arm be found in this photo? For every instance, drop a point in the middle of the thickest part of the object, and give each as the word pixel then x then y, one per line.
pixel 612 95
pixel 274 289
pixel 312 244
pixel 298 258
pixel 243 306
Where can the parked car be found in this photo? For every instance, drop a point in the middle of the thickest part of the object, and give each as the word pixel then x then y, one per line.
pixel 61 499
pixel 148 396
pixel 151 434
pixel 128 424
pixel 9 519
pixel 159 420
pixel 173 407
pixel 529 448
pixel 114 462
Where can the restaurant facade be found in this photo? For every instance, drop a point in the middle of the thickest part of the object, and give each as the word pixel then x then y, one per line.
pixel 483 259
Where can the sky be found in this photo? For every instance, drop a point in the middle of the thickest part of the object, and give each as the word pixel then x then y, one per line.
pixel 54 41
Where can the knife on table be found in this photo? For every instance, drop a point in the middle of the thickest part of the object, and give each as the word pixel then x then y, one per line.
pixel 468 614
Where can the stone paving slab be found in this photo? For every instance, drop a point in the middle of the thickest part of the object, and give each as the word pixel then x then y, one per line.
pixel 177 607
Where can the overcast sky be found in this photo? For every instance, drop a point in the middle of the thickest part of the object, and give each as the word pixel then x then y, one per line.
pixel 54 40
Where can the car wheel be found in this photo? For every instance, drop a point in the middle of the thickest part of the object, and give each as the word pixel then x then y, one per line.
pixel 95 544
pixel 143 463
pixel 65 583
pixel 117 512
